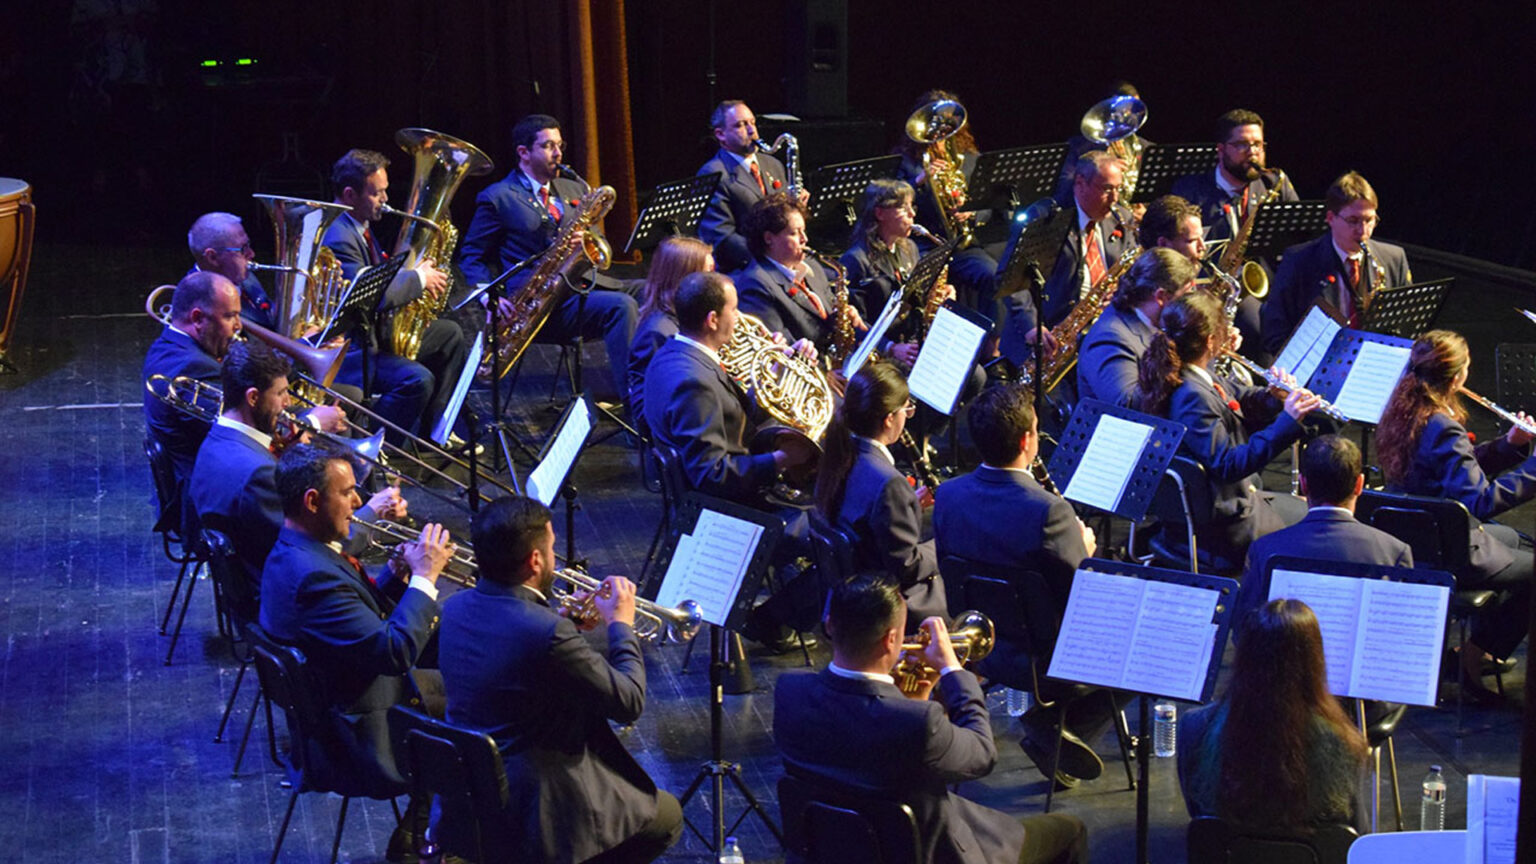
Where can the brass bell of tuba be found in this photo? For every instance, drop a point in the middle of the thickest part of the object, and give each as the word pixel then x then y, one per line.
pixel 934 124
pixel 310 284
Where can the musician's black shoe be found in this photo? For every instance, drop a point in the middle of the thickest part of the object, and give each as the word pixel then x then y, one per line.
pixel 1077 759
pixel 1041 756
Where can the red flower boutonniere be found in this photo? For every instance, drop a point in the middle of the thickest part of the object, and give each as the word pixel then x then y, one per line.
pixel 1116 234
pixel 793 290
pixel 777 184
pixel 1234 405
pixel 574 202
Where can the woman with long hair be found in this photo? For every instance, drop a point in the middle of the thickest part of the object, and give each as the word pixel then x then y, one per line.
pixel 1276 751
pixel 1174 381
pixel 1425 450
pixel 676 257
pixel 859 490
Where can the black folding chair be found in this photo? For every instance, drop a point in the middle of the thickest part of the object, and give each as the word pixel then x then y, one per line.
pixel 1214 841
pixel 464 769
pixel 826 827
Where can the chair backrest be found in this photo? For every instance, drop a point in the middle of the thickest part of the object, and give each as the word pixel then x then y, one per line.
pixel 1215 841
pixel 1442 847
pixel 235 591
pixel 1438 529
pixel 461 766
pixel 1514 366
pixel 674 483
pixel 832 548
pixel 285 679
pixel 1018 601
pixel 168 494
pixel 826 827
pixel 1168 505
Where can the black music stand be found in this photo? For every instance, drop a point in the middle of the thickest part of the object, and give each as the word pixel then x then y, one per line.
pixel 1133 678
pixel 1150 463
pixel 836 190
pixel 1280 225
pixel 724 615
pixel 1031 253
pixel 1162 164
pixel 674 208
pixel 914 291
pixel 493 291
pixel 357 306
pixel 1004 179
pixel 1338 364
pixel 558 458
pixel 1406 310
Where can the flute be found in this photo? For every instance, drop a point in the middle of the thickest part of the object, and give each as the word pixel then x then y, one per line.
pixel 1274 381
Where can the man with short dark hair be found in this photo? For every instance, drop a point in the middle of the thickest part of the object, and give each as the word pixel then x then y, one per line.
pixel 1239 180
pixel 1173 223
pixel 1342 269
pixel 848 728
pixel 1109 358
pixel 519 671
pixel 517 219
pixel 1331 480
pixel 747 177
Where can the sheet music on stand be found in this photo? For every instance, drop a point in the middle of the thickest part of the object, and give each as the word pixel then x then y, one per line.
pixel 444 426
pixel 1407 310
pixel 1144 629
pixel 836 190
pixel 1280 225
pixel 1162 164
pixel 1113 458
pixel 944 362
pixel 1383 627
pixel 1493 819
pixel 561 451
pixel 1359 372
pixel 362 297
pixel 716 555
pixel 1005 178
pixel 674 209
pixel 1308 344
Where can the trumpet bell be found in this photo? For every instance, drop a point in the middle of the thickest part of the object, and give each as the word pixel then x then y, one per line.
pixel 685 625
pixel 975 631
pixel 935 121
pixel 1113 119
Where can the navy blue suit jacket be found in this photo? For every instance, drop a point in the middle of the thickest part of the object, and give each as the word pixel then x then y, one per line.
pixel 693 407
pixel 359 643
pixel 764 290
pixel 653 332
pixel 1202 191
pixel 518 671
pixel 1313 271
pixel 174 355
pixel 511 224
pixel 720 226
pixel 234 487
pixel 881 512
pixel 1003 518
pixel 1064 286
pixel 866 736
pixel 1109 356
pixel 872 278
pixel 1327 535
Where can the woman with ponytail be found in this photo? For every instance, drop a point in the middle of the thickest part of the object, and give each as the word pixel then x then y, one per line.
pixel 1174 381
pixel 1425 450
pixel 859 490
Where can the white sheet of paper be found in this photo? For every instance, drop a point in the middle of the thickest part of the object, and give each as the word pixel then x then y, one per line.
pixel 872 338
pixel 708 566
pixel 450 416
pixel 945 360
pixel 1092 643
pixel 1335 600
pixel 670 592
pixel 1308 345
pixel 1493 814
pixel 549 475
pixel 1371 380
pixel 1107 463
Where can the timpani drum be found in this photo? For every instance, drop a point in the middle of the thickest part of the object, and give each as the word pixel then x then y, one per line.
pixel 17 215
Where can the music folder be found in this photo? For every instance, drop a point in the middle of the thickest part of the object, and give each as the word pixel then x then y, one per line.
pixel 945 360
pixel 716 554
pixel 874 335
pixel 444 425
pixel 560 453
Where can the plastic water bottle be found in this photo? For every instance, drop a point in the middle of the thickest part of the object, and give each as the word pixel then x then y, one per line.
pixel 1165 729
pixel 1017 702
pixel 731 854
pixel 1432 805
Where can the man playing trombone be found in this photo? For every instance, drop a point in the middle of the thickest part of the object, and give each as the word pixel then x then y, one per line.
pixel 516 669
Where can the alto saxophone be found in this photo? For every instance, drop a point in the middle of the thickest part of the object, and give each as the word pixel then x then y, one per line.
pixel 844 337
pixel 1236 276
pixel 1057 362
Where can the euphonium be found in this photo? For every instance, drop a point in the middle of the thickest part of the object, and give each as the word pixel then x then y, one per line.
pixel 1057 362
pixel 535 299
pixel 972 636
pixel 934 124
pixel 442 162
pixel 310 284
pixel 1113 123
pixel 654 623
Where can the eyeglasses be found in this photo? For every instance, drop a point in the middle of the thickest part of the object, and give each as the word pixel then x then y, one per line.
pixel 1358 221
pixel 910 408
pixel 1246 145
pixel 241 249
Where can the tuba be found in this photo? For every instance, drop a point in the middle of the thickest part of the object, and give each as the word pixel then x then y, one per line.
pixel 533 302
pixel 1113 124
pixel 1056 363
pixel 442 162
pixel 934 124
pixel 310 284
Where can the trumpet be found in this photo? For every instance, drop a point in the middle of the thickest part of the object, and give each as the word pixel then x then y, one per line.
pixel 972 636
pixel 1274 381
pixel 576 593
pixel 1504 414
pixel 461 566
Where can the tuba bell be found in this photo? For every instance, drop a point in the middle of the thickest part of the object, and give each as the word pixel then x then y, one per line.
pixel 310 284
pixel 934 124
pixel 1113 124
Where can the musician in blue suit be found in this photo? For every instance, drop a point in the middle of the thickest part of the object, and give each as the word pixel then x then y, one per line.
pixel 784 286
pixel 849 728
pixel 1342 269
pixel 1095 240
pixel 361 635
pixel 414 393
pixel 1239 179
pixel 1331 480
pixel 747 177
pixel 521 672
pixel 518 218
pixel 1111 352
pixel 219 244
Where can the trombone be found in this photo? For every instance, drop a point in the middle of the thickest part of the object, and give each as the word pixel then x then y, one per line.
pixel 576 592
pixel 972 636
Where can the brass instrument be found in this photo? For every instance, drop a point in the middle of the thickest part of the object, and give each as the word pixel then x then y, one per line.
pixel 1274 381
pixel 791 147
pixel 533 302
pixel 1113 124
pixel 1506 415
pixel 310 282
pixel 844 337
pixel 321 364
pixel 654 623
pixel 461 566
pixel 18 218
pixel 972 636
pixel 442 162
pixel 1234 276
pixel 935 124
pixel 1056 362
pixel 792 391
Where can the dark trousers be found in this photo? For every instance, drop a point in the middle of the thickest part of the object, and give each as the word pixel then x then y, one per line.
pixel 410 390
pixel 1501 625
pixel 1054 838
pixel 973 272
pixel 610 315
pixel 649 842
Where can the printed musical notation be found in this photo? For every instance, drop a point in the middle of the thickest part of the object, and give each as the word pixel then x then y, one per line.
pixel 710 563
pixel 1107 463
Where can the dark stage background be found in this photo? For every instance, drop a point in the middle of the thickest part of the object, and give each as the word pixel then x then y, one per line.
pixel 1426 102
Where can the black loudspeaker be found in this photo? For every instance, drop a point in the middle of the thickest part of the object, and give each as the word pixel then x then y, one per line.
pixel 816 58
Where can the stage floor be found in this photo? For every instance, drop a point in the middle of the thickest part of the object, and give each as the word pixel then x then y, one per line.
pixel 108 755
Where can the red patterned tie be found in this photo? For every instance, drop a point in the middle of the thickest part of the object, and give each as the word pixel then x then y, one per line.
pixel 1243 208
pixel 811 295
pixel 550 205
pixel 758 176
pixel 1095 255
pixel 376 255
